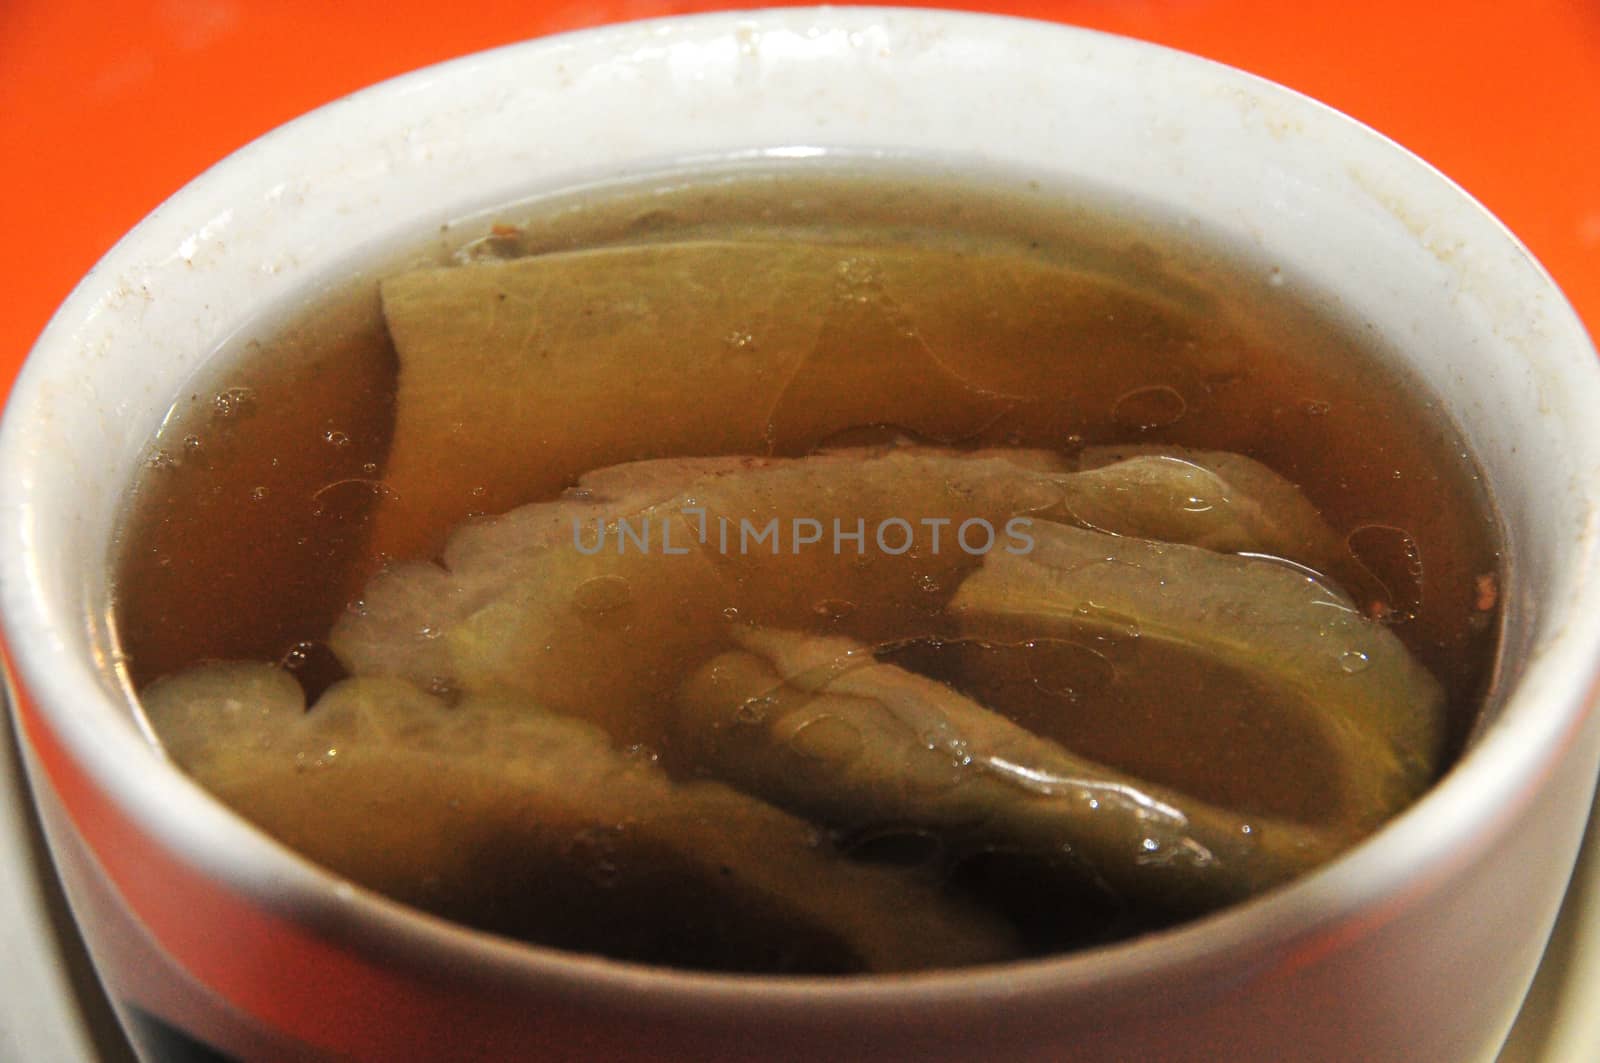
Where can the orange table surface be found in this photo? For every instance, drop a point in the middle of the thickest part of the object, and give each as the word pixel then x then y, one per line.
pixel 107 108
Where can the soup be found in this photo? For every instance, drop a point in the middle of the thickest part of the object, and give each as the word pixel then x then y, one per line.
pixel 833 568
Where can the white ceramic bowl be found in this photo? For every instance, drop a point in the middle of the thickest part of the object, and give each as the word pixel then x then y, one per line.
pixel 1415 946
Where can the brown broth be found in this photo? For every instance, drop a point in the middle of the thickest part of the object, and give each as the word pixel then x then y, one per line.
pixel 246 534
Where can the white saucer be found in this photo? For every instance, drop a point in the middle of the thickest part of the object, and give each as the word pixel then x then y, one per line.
pixel 1560 1021
pixel 51 1004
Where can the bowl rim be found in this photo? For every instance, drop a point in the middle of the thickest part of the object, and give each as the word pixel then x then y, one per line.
pixel 1478 800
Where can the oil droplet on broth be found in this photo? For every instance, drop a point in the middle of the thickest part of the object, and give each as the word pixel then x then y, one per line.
pixel 830 608
pixel 639 753
pixel 1067 670
pixel 1390 556
pixel 1353 661
pixel 754 710
pixel 1147 408
pixel 826 738
pixel 601 595
pixel 234 402
pixel 1112 624
pixel 947 765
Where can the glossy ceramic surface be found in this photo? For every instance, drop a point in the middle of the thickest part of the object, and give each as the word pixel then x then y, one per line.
pixel 1404 949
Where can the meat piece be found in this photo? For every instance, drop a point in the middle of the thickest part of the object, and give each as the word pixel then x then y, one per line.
pixel 500 815
pixel 532 601
pixel 1293 636
pixel 819 726
pixel 505 368
pixel 1211 498
pixel 713 347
